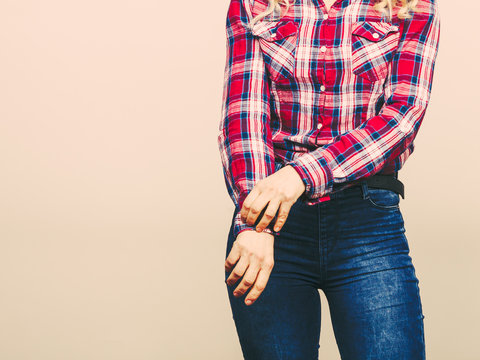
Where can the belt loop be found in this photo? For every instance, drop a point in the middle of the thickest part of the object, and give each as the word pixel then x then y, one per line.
pixel 364 186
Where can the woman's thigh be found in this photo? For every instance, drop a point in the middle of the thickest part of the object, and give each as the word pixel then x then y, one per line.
pixel 371 285
pixel 284 322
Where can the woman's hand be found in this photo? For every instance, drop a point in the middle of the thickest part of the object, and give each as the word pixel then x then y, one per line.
pixel 280 191
pixel 254 253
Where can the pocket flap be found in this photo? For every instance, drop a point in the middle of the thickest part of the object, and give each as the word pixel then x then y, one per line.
pixel 273 31
pixel 373 30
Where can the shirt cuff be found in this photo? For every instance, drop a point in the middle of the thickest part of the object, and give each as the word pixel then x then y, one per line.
pixel 240 225
pixel 315 174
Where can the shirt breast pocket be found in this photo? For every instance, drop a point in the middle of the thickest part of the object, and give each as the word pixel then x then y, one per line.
pixel 278 42
pixel 373 46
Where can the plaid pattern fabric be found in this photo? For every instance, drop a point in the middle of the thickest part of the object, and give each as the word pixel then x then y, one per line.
pixel 338 95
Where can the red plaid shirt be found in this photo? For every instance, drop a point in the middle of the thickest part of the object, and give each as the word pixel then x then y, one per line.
pixel 338 95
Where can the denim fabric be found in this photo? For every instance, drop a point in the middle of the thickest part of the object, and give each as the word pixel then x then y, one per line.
pixel 354 249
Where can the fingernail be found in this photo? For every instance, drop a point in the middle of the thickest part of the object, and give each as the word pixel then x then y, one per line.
pixel 276 228
pixel 236 293
pixel 248 302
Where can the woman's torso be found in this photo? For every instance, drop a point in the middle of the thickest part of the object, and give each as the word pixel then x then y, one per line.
pixel 327 64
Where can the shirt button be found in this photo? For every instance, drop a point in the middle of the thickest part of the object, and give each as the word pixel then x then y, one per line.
pixel 375 35
pixel 319 126
pixel 322 87
pixel 323 49
pixel 325 16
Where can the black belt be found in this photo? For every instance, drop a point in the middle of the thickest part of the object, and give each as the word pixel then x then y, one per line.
pixel 384 181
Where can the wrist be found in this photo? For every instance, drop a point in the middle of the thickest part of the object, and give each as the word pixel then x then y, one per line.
pixel 302 180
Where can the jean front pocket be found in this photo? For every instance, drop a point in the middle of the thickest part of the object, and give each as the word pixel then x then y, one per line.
pixel 383 198
pixel 278 42
pixel 373 46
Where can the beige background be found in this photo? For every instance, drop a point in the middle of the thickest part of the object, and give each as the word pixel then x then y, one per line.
pixel 113 208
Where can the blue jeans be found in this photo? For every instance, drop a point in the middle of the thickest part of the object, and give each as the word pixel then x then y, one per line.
pixel 354 248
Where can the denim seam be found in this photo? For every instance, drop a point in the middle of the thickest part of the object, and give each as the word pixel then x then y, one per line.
pixel 322 246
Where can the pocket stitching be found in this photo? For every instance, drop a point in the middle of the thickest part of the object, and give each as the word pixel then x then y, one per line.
pixel 362 33
pixel 275 28
pixel 269 42
pixel 361 30
pixel 384 207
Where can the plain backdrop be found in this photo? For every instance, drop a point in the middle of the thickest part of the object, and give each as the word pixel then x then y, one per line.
pixel 113 208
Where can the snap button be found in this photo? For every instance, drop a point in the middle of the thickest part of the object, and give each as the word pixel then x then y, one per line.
pixel 322 87
pixel 323 49
pixel 325 16
pixel 375 35
pixel 319 126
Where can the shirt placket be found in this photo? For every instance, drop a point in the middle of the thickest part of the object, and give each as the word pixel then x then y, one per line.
pixel 326 77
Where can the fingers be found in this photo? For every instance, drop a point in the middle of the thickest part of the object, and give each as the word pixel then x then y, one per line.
pixel 260 283
pixel 247 203
pixel 256 208
pixel 282 215
pixel 238 271
pixel 255 277
pixel 268 214
pixel 248 279
pixel 232 257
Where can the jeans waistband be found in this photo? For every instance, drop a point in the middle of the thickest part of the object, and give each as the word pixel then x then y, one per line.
pixel 379 180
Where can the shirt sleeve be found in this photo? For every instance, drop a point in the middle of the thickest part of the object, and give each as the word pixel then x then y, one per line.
pixel 245 139
pixel 364 151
